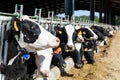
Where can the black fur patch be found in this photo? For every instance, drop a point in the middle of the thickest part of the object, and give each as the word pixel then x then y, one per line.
pixel 31 31
pixel 13 71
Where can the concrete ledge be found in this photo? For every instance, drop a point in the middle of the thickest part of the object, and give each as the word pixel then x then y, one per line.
pixel 70 63
pixel 55 72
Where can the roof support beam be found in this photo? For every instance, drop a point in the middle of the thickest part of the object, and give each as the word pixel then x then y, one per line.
pixel 69 8
pixel 100 11
pixel 92 9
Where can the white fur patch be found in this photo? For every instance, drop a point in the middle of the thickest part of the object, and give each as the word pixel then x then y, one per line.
pixel 43 60
pixel 70 30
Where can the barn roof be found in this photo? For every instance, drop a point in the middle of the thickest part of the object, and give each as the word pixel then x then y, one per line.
pixel 55 5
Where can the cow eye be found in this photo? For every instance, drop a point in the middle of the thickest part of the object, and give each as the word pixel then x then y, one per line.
pixel 84 32
pixel 33 28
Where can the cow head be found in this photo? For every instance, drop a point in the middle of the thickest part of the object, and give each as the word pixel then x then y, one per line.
pixel 33 36
pixel 102 34
pixel 67 35
pixel 99 34
pixel 87 33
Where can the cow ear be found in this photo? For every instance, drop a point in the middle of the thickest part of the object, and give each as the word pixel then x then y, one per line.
pixel 80 32
pixel 58 29
pixel 16 24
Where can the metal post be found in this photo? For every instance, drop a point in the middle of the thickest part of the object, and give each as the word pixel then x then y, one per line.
pixel 69 8
pixel 16 7
pixel 35 14
pixel 100 10
pixel 21 11
pixel 0 43
pixel 2 77
pixel 52 16
pixel 6 43
pixel 92 9
pixel 2 37
pixel 39 18
pixel 48 14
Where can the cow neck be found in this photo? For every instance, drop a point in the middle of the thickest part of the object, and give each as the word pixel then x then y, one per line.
pixel 21 51
pixel 16 38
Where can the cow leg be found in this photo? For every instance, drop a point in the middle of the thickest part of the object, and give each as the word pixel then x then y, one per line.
pixel 89 55
pixel 60 60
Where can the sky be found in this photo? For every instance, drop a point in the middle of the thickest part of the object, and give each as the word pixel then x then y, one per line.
pixel 80 13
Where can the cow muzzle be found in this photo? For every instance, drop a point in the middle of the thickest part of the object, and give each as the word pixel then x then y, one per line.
pixel 69 48
pixel 56 41
pixel 40 74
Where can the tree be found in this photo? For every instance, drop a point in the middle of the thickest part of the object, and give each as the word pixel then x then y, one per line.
pixel 86 18
pixel 117 20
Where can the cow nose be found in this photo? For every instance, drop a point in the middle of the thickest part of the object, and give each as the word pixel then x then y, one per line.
pixel 44 73
pixel 57 41
pixel 70 47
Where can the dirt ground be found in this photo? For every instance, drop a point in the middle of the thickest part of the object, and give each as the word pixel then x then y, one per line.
pixel 107 67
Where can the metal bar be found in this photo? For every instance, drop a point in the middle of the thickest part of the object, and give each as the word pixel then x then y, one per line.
pixel 16 7
pixel 21 11
pixel 48 14
pixel 2 37
pixel 7 14
pixel 6 43
pixel 40 10
pixel 5 18
pixel 35 14
pixel 1 42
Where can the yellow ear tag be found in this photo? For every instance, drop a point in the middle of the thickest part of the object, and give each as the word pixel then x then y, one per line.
pixel 80 33
pixel 59 49
pixel 86 49
pixel 15 26
pixel 94 51
pixel 60 32
pixel 84 32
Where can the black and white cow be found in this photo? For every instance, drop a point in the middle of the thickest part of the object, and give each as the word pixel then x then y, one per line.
pixel 68 36
pixel 100 31
pixel 88 44
pixel 29 35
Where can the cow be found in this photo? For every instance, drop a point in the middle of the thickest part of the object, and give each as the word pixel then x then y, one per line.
pixel 88 44
pixel 28 35
pixel 68 36
pixel 101 32
pixel 43 59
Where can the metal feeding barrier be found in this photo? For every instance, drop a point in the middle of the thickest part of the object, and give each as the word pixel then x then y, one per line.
pixel 4 27
pixel 5 21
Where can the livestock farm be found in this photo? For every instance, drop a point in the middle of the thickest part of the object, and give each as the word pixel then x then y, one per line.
pixel 107 67
pixel 56 48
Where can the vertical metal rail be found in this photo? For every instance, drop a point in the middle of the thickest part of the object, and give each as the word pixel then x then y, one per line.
pixel 4 26
pixel 6 43
pixel 2 39
pixel 39 18
pixel 1 42
pixel 19 11
pixel 2 77
pixel 37 14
